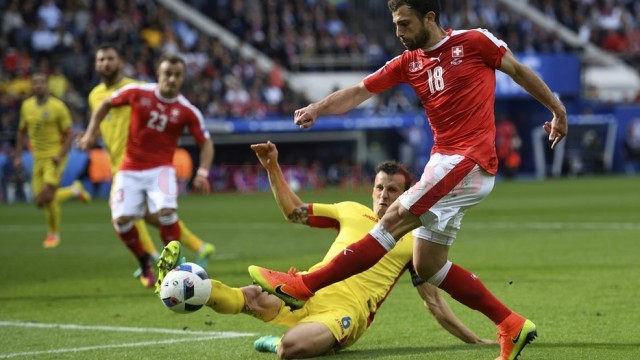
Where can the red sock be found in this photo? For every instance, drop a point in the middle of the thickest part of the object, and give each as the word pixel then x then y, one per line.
pixel 170 232
pixel 469 290
pixel 132 240
pixel 355 259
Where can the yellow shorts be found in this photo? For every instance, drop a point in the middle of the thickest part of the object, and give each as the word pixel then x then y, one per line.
pixel 334 306
pixel 45 172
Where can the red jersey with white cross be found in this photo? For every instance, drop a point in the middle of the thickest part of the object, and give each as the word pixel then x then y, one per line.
pixel 156 125
pixel 455 80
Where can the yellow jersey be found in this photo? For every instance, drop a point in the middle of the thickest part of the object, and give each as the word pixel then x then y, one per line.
pixel 45 124
pixel 353 221
pixel 115 126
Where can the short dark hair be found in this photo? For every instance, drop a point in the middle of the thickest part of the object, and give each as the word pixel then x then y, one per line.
pixel 173 59
pixel 109 46
pixel 390 167
pixel 420 7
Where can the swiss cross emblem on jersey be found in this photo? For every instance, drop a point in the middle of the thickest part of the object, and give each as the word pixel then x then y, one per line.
pixel 457 52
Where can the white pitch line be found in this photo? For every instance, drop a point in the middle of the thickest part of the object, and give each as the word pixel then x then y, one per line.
pixel 99 347
pixel 204 336
pixel 122 329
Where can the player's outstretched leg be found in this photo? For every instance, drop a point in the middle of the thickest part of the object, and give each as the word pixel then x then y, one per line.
pixel 514 333
pixel 168 260
pixel 267 344
pixel 287 286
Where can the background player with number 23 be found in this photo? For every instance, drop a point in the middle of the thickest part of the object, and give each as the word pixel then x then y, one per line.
pixel 159 114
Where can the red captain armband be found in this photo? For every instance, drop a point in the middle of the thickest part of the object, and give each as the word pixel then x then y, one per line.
pixel 202 172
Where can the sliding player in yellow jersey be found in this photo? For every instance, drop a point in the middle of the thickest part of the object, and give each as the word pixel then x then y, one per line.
pixel 47 122
pixel 340 314
pixel 115 130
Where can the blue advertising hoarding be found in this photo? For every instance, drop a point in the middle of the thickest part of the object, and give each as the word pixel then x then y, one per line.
pixel 560 72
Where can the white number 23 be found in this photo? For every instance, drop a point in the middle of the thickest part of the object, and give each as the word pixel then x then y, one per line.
pixel 157 121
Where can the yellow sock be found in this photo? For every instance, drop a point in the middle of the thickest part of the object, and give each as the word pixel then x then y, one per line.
pixel 64 194
pixel 225 299
pixel 52 214
pixel 189 239
pixel 145 237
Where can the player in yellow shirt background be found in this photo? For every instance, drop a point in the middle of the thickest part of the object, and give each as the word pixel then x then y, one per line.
pixel 337 316
pixel 46 121
pixel 114 131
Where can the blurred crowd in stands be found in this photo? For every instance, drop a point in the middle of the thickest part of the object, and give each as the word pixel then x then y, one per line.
pixel 61 36
pixel 295 30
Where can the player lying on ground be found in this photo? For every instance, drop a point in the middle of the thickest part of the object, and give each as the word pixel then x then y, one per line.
pixel 339 314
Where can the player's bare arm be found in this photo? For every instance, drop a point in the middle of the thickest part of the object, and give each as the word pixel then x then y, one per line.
pixel 338 102
pixel 20 141
pixel 259 304
pixel 439 308
pixel 201 181
pixel 291 206
pixel 89 137
pixel 533 84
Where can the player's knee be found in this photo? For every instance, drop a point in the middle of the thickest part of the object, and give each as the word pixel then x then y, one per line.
pixel 152 219
pixel 167 216
pixel 425 269
pixel 291 349
pixel 123 224
pixel 166 212
pixel 294 348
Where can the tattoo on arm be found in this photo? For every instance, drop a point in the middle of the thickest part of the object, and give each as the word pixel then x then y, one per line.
pixel 300 215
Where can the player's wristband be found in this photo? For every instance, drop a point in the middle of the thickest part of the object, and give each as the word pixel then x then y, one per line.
pixel 202 172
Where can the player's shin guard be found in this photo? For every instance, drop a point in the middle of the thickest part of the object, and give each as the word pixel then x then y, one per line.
pixel 467 289
pixel 169 228
pixel 129 235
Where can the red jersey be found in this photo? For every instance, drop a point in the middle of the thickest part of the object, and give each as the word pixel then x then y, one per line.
pixel 455 80
pixel 156 125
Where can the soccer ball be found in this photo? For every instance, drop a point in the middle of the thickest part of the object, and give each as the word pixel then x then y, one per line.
pixel 186 288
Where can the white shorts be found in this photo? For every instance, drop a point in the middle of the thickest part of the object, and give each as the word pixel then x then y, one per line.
pixel 156 188
pixel 450 184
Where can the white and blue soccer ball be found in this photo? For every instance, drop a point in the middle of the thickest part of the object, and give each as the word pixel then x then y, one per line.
pixel 186 288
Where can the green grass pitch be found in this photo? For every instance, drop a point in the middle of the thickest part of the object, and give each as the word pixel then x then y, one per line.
pixel 565 253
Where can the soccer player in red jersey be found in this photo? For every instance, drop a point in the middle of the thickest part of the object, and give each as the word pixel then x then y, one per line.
pixel 453 74
pixel 159 114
